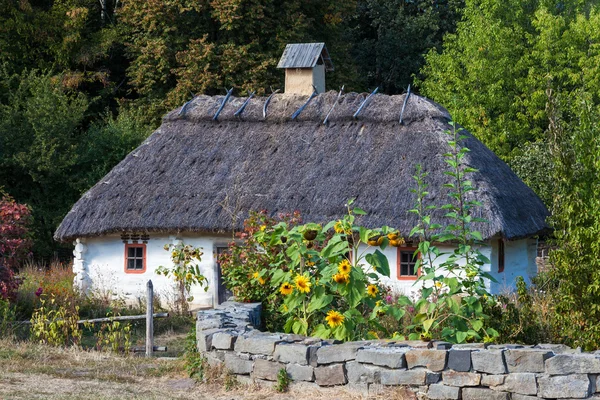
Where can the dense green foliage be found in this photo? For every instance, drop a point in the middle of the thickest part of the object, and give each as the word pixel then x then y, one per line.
pixel 82 82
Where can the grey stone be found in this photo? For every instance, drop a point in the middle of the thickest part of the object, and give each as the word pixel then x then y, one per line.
pixel 257 344
pixel 362 373
pixel 291 353
pixel 267 370
pixel 338 353
pixel 488 361
pixel 403 377
pixel 470 346
pixel 440 345
pixel 415 344
pixel 223 340
pixel 432 377
pixel 312 354
pixel 516 396
pixel 300 372
pixel 204 337
pixel 459 360
pixel 391 357
pixel 331 375
pixel 483 394
pixel 556 348
pixel 460 379
pixel 505 346
pixel 564 364
pixel 492 380
pixel 441 392
pixel 526 360
pixel 237 365
pixel 521 383
pixel 434 360
pixel 575 386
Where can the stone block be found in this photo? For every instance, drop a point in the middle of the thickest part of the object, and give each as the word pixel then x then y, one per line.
pixel 300 372
pixel 223 340
pixel 391 357
pixel 257 344
pixel 459 360
pixel 558 348
pixel 492 380
pixel 330 375
pixel 526 360
pixel 432 377
pixel 415 344
pixel 267 370
pixel 470 346
pixel 238 365
pixel 460 379
pixel 204 337
pixel 488 361
pixel 291 353
pixel 403 377
pixel 441 345
pixel 505 346
pixel 434 360
pixel 516 396
pixel 442 392
pixel 565 364
pixel 521 383
pixel 338 353
pixel 576 386
pixel 362 373
pixel 483 394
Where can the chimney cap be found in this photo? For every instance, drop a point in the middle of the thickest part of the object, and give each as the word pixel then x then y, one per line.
pixel 305 55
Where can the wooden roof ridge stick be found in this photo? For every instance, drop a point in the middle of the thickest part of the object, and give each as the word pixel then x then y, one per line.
pixel 184 107
pixel 298 111
pixel 267 103
pixel 364 103
pixel 227 96
pixel 334 104
pixel 404 104
pixel 241 109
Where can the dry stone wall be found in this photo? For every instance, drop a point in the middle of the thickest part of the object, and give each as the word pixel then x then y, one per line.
pixel 433 370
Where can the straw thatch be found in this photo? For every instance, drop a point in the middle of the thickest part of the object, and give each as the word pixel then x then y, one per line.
pixel 198 175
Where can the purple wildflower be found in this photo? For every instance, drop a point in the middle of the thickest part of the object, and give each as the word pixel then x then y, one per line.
pixel 38 292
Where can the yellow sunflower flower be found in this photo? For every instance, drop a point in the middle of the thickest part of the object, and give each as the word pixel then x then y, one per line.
pixel 338 227
pixel 344 267
pixel 261 280
pixel 341 278
pixel 372 290
pixel 334 318
pixel 302 284
pixel 286 288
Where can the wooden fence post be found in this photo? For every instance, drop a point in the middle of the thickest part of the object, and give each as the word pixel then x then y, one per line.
pixel 149 319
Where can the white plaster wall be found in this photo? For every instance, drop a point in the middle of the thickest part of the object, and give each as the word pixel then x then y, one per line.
pixel 104 265
pixel 519 260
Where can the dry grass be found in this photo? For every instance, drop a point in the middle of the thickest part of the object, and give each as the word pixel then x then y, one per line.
pixel 31 371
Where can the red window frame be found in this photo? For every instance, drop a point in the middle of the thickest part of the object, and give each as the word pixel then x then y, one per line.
pixel 127 258
pixel 399 262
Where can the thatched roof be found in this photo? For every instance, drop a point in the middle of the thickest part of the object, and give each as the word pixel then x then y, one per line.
pixel 193 174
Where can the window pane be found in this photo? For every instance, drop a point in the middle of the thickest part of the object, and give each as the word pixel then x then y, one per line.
pixel 139 263
pixel 403 269
pixel 130 252
pixel 138 252
pixel 130 263
pixel 412 269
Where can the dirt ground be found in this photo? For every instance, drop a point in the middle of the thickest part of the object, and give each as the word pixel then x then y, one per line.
pixel 29 371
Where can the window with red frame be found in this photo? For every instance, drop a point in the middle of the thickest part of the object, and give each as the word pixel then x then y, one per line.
pixel 407 263
pixel 135 258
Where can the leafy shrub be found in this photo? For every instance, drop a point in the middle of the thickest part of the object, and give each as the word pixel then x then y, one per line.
pixel 55 324
pixel 453 291
pixel 241 266
pixel 114 336
pixel 7 318
pixel 185 272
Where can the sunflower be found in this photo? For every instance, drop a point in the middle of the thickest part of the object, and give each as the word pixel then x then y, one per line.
pixel 286 289
pixel 334 318
pixel 372 290
pixel 261 280
pixel 341 278
pixel 338 227
pixel 344 267
pixel 302 284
